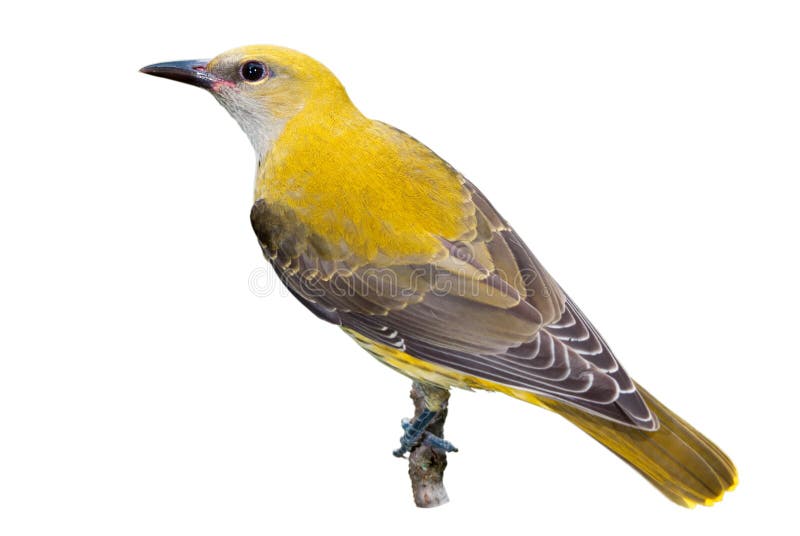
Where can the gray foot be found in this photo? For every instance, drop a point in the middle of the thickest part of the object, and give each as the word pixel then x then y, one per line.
pixel 416 430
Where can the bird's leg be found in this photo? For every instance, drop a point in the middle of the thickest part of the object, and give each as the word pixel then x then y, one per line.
pixel 414 429
pixel 428 458
pixel 418 429
pixel 434 403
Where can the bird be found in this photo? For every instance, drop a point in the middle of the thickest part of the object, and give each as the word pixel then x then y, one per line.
pixel 374 232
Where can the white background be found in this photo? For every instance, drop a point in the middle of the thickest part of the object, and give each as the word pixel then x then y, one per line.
pixel 647 152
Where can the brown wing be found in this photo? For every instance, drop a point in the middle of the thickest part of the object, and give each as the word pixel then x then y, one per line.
pixel 485 307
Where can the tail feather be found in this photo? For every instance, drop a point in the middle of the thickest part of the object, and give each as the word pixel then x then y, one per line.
pixel 677 459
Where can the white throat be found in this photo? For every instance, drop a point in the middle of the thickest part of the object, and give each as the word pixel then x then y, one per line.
pixel 261 127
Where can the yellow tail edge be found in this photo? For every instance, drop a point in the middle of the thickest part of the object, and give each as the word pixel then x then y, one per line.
pixel 683 464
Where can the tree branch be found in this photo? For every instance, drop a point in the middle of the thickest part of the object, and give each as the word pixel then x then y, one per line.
pixel 426 465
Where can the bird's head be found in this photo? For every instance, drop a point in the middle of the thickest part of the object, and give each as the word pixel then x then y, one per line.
pixel 263 87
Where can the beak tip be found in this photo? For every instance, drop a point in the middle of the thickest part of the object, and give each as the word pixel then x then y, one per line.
pixel 151 69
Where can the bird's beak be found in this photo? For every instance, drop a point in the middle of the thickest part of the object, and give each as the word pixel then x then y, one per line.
pixel 189 71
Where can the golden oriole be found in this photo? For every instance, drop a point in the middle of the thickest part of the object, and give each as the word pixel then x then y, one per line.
pixel 372 231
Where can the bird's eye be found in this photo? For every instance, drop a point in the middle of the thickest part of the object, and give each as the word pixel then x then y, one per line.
pixel 253 71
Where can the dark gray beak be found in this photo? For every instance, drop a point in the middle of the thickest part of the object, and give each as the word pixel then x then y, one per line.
pixel 189 72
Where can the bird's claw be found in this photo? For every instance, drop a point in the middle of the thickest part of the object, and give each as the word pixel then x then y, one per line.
pixel 415 431
pixel 439 443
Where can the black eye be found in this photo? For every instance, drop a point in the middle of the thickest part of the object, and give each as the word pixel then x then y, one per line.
pixel 253 71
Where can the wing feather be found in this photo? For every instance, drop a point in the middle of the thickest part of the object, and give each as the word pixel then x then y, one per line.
pixel 484 306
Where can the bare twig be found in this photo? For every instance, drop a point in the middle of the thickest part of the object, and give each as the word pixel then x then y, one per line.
pixel 426 465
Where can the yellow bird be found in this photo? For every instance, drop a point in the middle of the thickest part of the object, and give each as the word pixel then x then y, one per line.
pixel 372 231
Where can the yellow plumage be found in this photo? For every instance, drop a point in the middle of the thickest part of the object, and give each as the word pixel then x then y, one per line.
pixel 373 231
pixel 377 206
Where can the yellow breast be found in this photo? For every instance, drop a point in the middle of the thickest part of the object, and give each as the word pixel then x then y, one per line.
pixel 362 183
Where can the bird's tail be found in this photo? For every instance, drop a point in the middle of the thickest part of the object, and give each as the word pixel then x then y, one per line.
pixel 677 459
